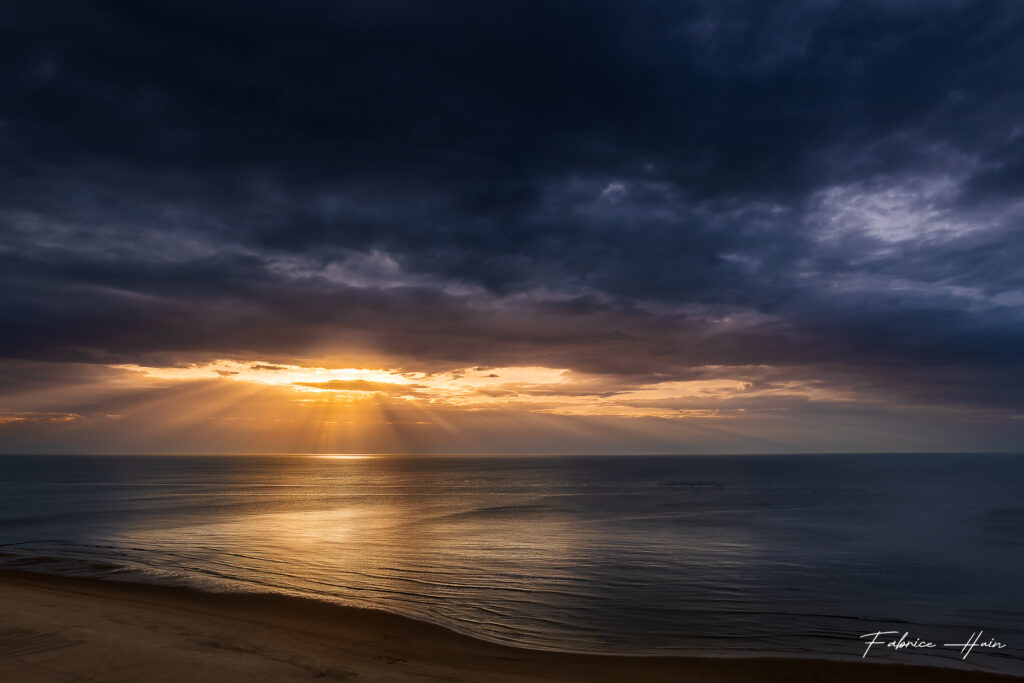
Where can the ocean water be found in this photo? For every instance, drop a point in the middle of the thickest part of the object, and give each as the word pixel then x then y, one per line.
pixel 713 555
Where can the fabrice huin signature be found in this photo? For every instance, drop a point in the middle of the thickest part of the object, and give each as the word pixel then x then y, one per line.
pixel 908 642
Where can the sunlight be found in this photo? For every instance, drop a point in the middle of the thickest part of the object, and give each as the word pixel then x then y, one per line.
pixel 301 378
pixel 336 405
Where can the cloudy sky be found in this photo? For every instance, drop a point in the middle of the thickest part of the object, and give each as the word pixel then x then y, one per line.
pixel 461 227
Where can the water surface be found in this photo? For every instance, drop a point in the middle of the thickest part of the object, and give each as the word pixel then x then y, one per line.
pixel 718 555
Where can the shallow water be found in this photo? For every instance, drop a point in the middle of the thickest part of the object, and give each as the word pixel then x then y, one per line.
pixel 718 555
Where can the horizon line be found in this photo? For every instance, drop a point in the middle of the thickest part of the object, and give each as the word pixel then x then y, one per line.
pixel 498 455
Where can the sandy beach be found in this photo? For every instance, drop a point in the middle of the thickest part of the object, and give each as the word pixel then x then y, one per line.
pixel 69 629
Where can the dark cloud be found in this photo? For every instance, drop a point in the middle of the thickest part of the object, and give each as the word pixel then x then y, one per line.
pixel 638 188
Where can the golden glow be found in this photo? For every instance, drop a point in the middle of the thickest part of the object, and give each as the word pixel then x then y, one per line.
pixel 343 396
pixel 320 408
pixel 25 417
pixel 268 373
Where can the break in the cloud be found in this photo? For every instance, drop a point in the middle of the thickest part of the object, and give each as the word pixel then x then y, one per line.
pixel 668 227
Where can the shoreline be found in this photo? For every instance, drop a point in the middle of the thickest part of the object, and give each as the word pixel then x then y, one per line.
pixel 59 628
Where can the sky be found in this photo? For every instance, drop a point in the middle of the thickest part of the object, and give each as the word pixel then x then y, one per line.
pixel 514 227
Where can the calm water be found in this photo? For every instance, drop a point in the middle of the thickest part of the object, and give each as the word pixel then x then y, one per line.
pixel 721 555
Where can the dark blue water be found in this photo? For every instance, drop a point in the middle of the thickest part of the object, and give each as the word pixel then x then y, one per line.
pixel 718 555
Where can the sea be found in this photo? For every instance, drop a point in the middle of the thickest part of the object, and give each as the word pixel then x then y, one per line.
pixel 724 556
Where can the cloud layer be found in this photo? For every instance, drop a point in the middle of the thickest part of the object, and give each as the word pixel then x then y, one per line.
pixel 645 192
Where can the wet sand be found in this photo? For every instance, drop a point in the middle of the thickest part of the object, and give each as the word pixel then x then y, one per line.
pixel 69 629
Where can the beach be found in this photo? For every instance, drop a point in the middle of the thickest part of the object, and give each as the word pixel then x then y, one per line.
pixel 74 629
